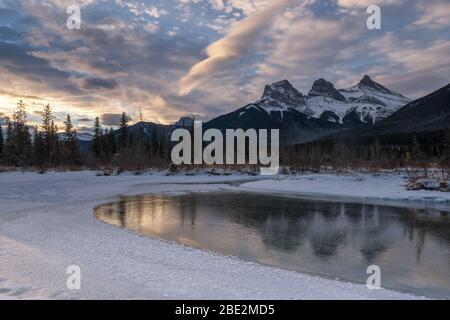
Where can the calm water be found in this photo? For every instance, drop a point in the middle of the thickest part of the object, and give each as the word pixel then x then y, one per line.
pixel 412 246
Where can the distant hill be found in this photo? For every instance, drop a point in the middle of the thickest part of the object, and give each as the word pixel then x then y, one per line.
pixel 294 126
pixel 148 128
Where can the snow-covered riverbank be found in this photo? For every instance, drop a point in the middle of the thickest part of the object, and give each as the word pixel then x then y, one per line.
pixel 387 187
pixel 47 224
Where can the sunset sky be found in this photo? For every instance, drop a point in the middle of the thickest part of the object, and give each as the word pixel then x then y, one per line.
pixel 181 57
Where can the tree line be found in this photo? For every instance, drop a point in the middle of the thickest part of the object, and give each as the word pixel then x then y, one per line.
pixel 127 149
pixel 45 146
pixel 418 150
pixel 39 146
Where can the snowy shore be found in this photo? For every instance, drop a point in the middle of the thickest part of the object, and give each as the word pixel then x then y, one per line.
pixel 388 188
pixel 47 224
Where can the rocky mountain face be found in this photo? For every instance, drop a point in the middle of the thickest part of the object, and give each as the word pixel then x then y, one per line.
pixel 428 114
pixel 281 95
pixel 278 108
pixel 323 88
pixel 324 110
pixel 295 126
pixel 368 102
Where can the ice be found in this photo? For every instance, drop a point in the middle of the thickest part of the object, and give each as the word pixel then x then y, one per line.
pixel 47 224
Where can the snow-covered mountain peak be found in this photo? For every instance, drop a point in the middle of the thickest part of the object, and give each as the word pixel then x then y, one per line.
pixel 367 80
pixel 366 102
pixel 372 100
pixel 323 88
pixel 281 88
pixel 283 91
pixel 281 95
pixel 367 84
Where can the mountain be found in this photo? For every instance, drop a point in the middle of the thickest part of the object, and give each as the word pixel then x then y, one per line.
pixel 323 111
pixel 134 130
pixel 147 128
pixel 278 108
pixel 430 113
pixel 367 102
pixel 82 136
pixel 84 140
pixel 184 122
pixel 281 96
pixel 427 114
pixel 323 88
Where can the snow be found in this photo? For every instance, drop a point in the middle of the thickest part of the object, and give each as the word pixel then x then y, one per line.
pixel 47 224
pixel 383 105
pixel 369 102
pixel 388 187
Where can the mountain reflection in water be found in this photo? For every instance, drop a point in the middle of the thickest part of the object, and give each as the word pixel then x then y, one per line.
pixel 412 246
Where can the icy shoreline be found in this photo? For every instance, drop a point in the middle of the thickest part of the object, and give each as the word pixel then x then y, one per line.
pixel 47 224
pixel 383 189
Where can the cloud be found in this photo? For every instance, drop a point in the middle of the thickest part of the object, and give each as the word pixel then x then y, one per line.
pixel 234 45
pixel 247 7
pixel 434 16
pixel 366 3
pixel 412 67
pixel 66 3
pixel 99 83
pixel 17 60
pixel 121 61
pixel 38 113
pixel 110 119
pixel 8 35
pixel 306 47
pixel 84 120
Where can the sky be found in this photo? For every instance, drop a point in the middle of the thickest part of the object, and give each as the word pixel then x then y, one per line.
pixel 173 58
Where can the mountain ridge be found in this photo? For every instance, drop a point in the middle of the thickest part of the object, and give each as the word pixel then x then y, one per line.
pixel 323 111
pixel 426 114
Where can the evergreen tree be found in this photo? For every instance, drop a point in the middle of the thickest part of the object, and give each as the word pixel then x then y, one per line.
pixel 163 145
pixel 2 143
pixel 22 143
pixel 9 145
pixel 71 151
pixel 447 145
pixel 123 131
pixel 48 131
pixel 97 141
pixel 39 149
pixel 445 159
pixel 68 130
pixel 416 151
pixel 55 156
pixel 111 138
pixel 154 141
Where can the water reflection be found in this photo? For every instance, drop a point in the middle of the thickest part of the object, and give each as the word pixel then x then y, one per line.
pixel 412 246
